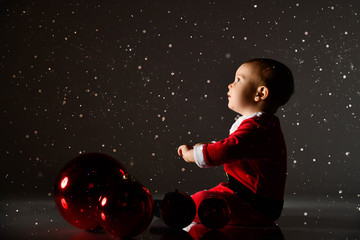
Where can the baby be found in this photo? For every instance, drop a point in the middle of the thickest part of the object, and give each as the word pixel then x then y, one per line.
pixel 254 154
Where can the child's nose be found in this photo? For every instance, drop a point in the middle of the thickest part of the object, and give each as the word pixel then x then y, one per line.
pixel 230 85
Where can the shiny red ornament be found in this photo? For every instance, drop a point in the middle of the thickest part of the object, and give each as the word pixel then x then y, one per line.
pixel 79 185
pixel 126 209
pixel 177 209
pixel 214 212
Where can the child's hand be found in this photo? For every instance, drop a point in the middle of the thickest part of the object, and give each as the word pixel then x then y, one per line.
pixel 186 151
pixel 183 149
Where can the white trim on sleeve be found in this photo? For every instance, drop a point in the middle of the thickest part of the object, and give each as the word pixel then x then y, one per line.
pixel 199 156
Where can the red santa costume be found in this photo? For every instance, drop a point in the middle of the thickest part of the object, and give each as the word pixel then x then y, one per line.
pixel 254 159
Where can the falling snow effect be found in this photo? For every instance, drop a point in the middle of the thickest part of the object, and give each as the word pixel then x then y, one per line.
pixel 136 80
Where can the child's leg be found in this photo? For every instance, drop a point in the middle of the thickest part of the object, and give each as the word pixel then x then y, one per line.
pixel 241 212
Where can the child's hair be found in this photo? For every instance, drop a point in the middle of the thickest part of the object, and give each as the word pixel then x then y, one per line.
pixel 277 78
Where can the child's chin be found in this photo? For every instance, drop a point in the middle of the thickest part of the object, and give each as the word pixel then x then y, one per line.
pixel 231 108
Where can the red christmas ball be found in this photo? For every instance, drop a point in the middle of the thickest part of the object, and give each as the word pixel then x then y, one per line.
pixel 79 184
pixel 177 209
pixel 214 212
pixel 126 209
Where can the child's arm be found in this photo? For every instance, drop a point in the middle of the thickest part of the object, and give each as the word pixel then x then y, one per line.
pixel 187 152
pixel 202 143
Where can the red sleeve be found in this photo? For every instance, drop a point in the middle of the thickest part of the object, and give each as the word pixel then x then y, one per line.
pixel 244 143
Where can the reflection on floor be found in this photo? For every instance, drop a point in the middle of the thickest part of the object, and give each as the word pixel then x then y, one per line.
pixel 300 220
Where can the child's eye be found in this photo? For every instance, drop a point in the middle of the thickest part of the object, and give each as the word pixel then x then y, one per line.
pixel 238 79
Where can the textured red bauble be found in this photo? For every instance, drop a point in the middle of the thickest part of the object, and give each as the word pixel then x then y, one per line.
pixel 79 185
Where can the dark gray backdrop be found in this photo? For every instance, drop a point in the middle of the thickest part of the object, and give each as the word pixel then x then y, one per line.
pixel 136 79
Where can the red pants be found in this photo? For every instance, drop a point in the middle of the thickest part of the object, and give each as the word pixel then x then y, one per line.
pixel 241 212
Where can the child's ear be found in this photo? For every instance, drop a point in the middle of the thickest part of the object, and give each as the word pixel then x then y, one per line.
pixel 261 94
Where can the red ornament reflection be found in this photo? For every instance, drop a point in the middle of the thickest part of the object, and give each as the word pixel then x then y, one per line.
pixel 126 209
pixel 103 201
pixel 64 203
pixel 64 182
pixel 103 216
pixel 79 184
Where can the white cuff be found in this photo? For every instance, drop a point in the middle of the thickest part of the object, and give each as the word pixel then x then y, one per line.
pixel 199 156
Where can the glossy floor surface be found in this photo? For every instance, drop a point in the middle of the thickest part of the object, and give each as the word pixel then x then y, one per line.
pixel 300 220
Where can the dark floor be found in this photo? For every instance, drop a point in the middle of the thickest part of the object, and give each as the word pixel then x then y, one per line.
pixel 300 220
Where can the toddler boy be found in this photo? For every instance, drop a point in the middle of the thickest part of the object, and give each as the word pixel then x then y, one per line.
pixel 254 154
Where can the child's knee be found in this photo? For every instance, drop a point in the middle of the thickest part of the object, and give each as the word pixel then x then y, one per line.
pixel 199 196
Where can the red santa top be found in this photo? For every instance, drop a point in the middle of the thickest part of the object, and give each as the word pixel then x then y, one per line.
pixel 254 154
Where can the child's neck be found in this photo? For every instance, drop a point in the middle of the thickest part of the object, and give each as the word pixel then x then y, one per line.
pixel 255 110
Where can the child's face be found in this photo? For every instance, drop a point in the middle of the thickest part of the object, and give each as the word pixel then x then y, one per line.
pixel 242 91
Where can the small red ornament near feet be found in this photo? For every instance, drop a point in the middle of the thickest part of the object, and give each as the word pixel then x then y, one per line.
pixel 125 209
pixel 177 209
pixel 214 212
